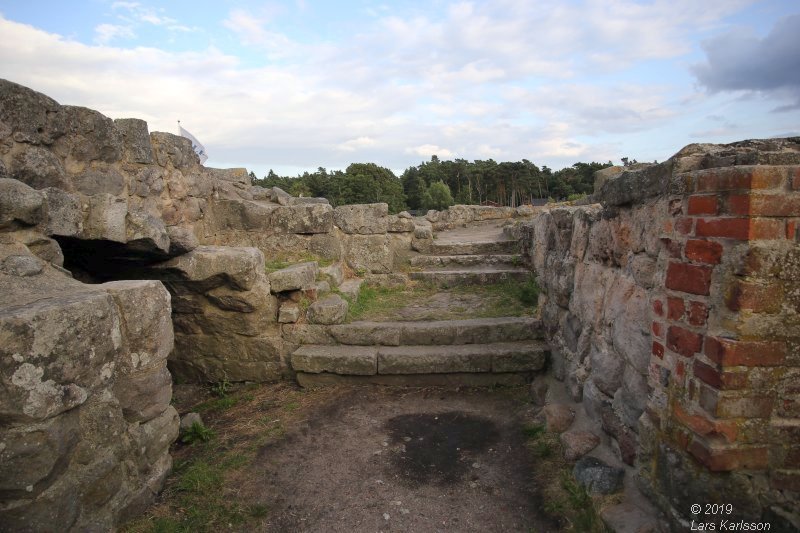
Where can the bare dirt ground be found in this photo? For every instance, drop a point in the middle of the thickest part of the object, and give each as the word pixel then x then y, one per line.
pixel 402 460
pixel 363 459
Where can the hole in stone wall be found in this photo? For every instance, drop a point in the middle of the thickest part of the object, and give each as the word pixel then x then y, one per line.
pixel 99 261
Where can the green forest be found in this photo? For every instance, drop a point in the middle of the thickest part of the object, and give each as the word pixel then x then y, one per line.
pixel 437 184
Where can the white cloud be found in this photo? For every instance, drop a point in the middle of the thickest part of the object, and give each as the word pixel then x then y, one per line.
pixel 427 150
pixel 354 144
pixel 507 79
pixel 105 33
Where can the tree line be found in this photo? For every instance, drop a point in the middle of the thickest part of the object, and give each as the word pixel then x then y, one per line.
pixel 437 184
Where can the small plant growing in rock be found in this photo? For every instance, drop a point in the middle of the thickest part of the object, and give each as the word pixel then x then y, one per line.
pixel 221 388
pixel 529 292
pixel 197 433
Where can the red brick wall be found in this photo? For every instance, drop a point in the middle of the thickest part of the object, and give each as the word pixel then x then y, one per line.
pixel 726 330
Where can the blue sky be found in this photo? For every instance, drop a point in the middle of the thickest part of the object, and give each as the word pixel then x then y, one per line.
pixel 299 84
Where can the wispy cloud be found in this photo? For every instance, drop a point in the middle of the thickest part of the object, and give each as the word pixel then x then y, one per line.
pixel 105 33
pixel 134 13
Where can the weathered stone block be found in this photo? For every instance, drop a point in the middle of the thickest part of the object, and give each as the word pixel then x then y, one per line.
pixel 353 360
pixel 289 313
pixel 63 215
pixel 369 253
pixel 170 149
pixel 558 417
pixel 99 180
pixel 39 168
pixel 30 453
pixel 302 218
pixel 607 368
pixel 241 267
pixel 90 136
pixel 397 224
pixel 40 374
pixel 147 326
pixel 598 477
pixel 364 219
pixel 144 395
pixel 333 273
pixel 19 203
pixel 135 140
pixel 330 310
pixel 295 277
pixel 351 288
pixel 578 443
pixel 366 334
pixel 105 218
pixel 434 359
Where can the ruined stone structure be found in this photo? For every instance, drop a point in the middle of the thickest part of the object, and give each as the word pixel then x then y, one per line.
pixel 673 310
pixel 670 309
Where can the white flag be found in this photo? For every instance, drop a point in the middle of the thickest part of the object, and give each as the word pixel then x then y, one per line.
pixel 198 148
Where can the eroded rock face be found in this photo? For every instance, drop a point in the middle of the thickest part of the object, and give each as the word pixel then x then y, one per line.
pixel 82 376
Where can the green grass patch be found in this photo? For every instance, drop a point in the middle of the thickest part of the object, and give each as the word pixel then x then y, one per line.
pixel 197 433
pixel 423 301
pixel 380 300
pixel 212 486
pixel 218 404
pixel 533 431
pixel 563 498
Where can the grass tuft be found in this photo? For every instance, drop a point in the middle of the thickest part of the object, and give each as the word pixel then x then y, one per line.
pixel 564 499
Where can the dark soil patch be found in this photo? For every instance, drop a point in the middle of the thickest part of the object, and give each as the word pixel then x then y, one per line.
pixel 438 448
pixel 358 464
pixel 285 459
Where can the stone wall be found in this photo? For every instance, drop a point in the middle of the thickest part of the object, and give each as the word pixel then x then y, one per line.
pixel 673 307
pixel 85 415
pixel 127 204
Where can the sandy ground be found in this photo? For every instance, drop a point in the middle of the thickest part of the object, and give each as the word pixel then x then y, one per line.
pixel 381 459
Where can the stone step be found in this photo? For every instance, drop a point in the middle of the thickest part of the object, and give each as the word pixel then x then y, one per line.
pixel 473 247
pixel 470 276
pixel 499 357
pixel 441 332
pixel 465 260
pixel 458 379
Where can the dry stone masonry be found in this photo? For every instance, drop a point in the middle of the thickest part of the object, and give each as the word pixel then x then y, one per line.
pixel 673 310
pixel 670 310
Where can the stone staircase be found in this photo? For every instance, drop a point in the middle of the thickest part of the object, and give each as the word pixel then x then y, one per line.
pixel 471 352
pixel 476 352
pixel 456 261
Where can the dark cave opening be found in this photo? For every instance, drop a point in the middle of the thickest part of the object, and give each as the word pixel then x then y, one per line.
pixel 98 260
